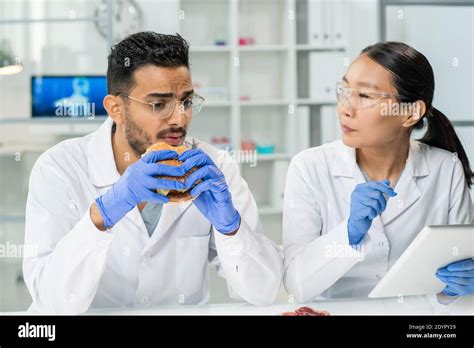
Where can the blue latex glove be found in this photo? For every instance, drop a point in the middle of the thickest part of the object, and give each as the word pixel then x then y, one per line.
pixel 367 201
pixel 136 185
pixel 459 278
pixel 213 198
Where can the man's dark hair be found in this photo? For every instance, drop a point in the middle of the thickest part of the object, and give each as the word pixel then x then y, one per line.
pixel 141 49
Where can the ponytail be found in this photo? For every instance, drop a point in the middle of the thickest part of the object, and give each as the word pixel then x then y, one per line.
pixel 441 134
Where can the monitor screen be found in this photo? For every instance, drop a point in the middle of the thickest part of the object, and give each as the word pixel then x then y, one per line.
pixel 68 96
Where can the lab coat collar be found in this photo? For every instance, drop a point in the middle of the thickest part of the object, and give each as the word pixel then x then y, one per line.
pixel 101 160
pixel 100 154
pixel 345 165
pixel 407 189
pixel 103 173
pixel 102 167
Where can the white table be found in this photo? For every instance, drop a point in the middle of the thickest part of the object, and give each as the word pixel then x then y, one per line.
pixel 410 305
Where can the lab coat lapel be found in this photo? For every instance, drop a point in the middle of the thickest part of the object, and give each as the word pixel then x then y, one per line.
pixel 407 188
pixel 136 217
pixel 349 175
pixel 169 215
pixel 103 174
pixel 101 161
pixel 102 169
pixel 344 169
pixel 407 194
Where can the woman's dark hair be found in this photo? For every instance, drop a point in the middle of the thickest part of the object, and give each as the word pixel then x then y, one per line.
pixel 140 49
pixel 413 78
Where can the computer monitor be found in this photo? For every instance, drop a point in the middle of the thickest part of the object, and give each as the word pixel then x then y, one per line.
pixel 68 96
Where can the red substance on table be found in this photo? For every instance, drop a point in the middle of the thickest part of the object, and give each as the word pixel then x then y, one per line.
pixel 307 311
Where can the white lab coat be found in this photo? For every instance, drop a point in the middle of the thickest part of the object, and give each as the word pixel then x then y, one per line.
pixel 80 267
pixel 318 258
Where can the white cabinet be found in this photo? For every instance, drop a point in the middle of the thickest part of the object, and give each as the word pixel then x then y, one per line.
pixel 324 69
pixel 326 22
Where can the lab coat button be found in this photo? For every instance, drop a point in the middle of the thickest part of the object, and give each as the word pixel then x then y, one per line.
pixel 146 256
pixel 145 300
pixel 381 244
pixel 378 276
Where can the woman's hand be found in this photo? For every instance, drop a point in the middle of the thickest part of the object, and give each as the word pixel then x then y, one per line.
pixel 459 278
pixel 367 201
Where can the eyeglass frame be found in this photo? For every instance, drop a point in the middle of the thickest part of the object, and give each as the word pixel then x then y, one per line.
pixel 180 102
pixel 381 95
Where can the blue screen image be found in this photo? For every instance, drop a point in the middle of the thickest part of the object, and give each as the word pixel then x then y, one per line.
pixel 68 96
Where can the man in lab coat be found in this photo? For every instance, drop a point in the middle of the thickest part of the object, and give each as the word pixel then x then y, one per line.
pixel 105 238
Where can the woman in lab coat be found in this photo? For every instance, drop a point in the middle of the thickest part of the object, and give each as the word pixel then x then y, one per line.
pixel 353 206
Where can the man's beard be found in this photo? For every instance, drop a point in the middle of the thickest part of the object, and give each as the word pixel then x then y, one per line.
pixel 134 133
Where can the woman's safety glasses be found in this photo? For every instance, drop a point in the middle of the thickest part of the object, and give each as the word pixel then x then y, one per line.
pixel 359 98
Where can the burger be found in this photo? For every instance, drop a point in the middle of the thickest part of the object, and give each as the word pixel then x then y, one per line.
pixel 175 196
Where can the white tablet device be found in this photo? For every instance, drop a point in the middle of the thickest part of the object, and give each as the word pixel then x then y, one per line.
pixel 434 247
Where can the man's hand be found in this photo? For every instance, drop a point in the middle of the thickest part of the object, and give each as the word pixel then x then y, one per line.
pixel 213 198
pixel 137 185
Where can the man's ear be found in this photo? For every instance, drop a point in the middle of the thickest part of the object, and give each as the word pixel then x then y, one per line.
pixel 417 112
pixel 115 108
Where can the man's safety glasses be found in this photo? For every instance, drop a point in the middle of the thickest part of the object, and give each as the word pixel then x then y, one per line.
pixel 165 108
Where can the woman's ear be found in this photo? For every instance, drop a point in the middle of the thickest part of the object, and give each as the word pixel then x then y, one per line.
pixel 418 110
pixel 115 108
